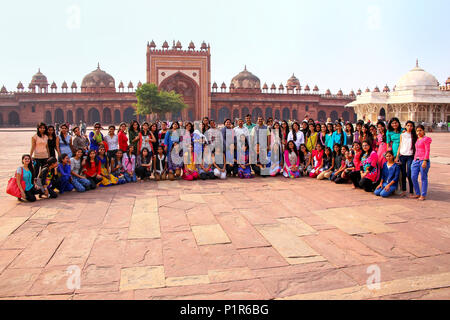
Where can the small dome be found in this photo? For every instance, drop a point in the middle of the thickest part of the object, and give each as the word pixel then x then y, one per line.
pixel 179 46
pixel 273 87
pixel 293 82
pixel 246 80
pixel 307 88
pixel 121 86
pixel 98 79
pixel 130 85
pixel 74 85
pixel 39 79
pixel 367 90
pixel 328 92
pixel 352 93
pixel 3 90
pixel 53 86
pixel 214 85
pixel 203 47
pixel 223 86
pixel 232 85
pixel 386 88
pixel 64 85
pixel 417 79
pixel 139 84
pixel 359 92
pixel 191 45
pixel 265 86
pixel 340 93
pixel 152 44
pixel 448 81
pixel 165 45
pixel 281 87
pixel 316 88
pixel 20 86
pixel 376 89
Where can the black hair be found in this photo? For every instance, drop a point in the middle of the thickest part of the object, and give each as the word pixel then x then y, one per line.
pixel 41 125
pixel 226 120
pixel 112 126
pixel 138 129
pixel 370 147
pixel 61 134
pixel 30 166
pixel 191 131
pixel 294 134
pixel 399 129
pixel 413 134
pixel 149 156
pixel 339 150
pixel 62 156
pixel 54 131
pixel 88 160
pixel 51 161
pixel 390 152
pixel 346 148
pixel 351 127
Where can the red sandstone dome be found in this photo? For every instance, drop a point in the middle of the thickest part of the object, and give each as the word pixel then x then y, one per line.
pixel 307 88
pixel 386 88
pixel 214 85
pixel 367 90
pixel 74 85
pixel 64 85
pixel 39 79
pixel 316 88
pixel 3 90
pixel 53 86
pixel 273 87
pixel 293 82
pixel 20 85
pixel 246 80
pixel 98 81
pixel 376 89
pixel 265 86
pixel 328 92
pixel 340 93
pixel 139 84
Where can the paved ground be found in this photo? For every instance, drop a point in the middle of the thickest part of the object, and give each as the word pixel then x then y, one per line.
pixel 259 239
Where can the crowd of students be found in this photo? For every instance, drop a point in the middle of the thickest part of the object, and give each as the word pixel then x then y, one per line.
pixel 378 158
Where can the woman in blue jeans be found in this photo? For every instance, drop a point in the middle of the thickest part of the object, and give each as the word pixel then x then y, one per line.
pixel 421 164
pixel 405 155
pixel 390 175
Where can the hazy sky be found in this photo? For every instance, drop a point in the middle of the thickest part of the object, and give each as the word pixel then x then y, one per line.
pixel 335 44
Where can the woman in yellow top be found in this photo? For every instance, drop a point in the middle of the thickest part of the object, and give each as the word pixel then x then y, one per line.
pixel 311 138
pixel 190 169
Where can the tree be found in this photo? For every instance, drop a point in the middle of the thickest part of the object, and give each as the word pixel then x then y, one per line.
pixel 152 100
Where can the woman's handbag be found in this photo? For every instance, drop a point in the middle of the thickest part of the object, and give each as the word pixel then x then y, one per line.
pixel 13 189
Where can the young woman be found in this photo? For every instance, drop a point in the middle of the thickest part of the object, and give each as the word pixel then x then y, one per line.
pixel 49 178
pixel 144 138
pixel 39 147
pixel 393 135
pixel 144 165
pixel 26 173
pixel 355 175
pixel 339 137
pixel 338 158
pixel 317 161
pixel 133 134
pixel 305 160
pixel 390 175
pixel 79 181
pixel 93 169
pixel 337 174
pixel 220 170
pixel 244 167
pixel 311 138
pixel 160 164
pixel 291 167
pixel 348 167
pixel 369 167
pixel 113 142
pixel 296 135
pixel 327 167
pixel 358 131
pixel 405 155
pixel 64 141
pixel 154 138
pixel 175 161
pixel 117 169
pixel 65 174
pixel 105 165
pixel 366 135
pixel 274 156
pixel 188 133
pixel 170 138
pixel 51 142
pixel 329 136
pixel 349 134
pixel 162 134
pixel 96 137
pixel 190 169
pixel 284 134
pixel 129 164
pixel 381 143
pixel 374 133
pixel 276 138
pixel 421 163
pixel 206 168
pixel 122 137
pixel 323 135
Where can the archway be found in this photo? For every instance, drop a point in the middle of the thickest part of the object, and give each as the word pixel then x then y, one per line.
pixel 142 118
pixel 59 116
pixel 13 118
pixel 79 115
pixel 224 113
pixel 191 114
pixel 128 115
pixel 235 114
pixel 244 112
pixel 107 119
pixel 1 119
pixel 186 87
pixel 322 116
pixel 93 116
pixel 69 116
pixel 48 117
pixel 286 114
pixel 277 115
pixel 346 116
pixel 294 115
pixel 213 114
pixel 257 112
pixel 269 113
pixel 117 116
pixel 176 116
pixel 334 116
pixel 382 114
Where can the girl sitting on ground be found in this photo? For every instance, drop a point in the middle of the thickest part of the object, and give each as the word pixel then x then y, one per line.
pixel 160 164
pixel 317 161
pixel 79 181
pixel 144 165
pixel 390 175
pixel 129 164
pixel 327 167
pixel 291 161
pixel 117 169
pixel 189 169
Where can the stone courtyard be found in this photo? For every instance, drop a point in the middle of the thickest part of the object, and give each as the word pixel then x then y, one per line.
pixel 270 238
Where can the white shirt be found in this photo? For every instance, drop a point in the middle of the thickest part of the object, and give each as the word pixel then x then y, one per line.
pixel 406 148
pixel 240 131
pixel 113 142
pixel 300 138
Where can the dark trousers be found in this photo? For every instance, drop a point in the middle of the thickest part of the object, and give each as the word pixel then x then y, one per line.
pixel 355 176
pixel 142 172
pixel 207 175
pixel 39 163
pixel 111 154
pixel 93 181
pixel 51 191
pixel 30 195
pixel 232 169
pixel 367 185
pixel 405 168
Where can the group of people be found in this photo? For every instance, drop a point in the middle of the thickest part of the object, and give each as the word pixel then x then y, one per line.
pixel 377 158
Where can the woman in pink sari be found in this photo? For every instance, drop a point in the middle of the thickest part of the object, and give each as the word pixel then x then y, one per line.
pixel 381 143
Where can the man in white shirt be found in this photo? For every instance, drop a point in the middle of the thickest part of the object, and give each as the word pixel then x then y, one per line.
pixel 241 129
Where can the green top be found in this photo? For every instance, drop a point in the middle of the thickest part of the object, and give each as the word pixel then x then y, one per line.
pixel 249 126
pixel 131 136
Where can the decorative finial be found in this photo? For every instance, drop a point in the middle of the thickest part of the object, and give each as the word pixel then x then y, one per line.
pixel 39 70
pixel 417 63
pixel 245 68
pixel 98 65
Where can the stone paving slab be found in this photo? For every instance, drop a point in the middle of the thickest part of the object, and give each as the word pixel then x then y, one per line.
pixel 271 238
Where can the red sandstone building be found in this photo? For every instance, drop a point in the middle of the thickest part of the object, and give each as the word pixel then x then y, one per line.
pixel 187 72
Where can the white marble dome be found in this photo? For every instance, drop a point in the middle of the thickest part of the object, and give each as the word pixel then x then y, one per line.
pixel 417 79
